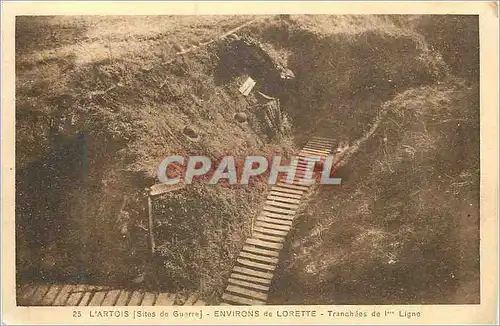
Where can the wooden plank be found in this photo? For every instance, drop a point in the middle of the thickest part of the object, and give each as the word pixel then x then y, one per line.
pixel 76 294
pixel 165 299
pixel 265 244
pixel 247 86
pixel 63 295
pixel 248 255
pixel 283 199
pixel 250 278
pixel 255 250
pixel 98 297
pixel 267 219
pixel 299 192
pixel 291 186
pixel 322 153
pixel 161 188
pixel 37 297
pixel 317 138
pixel 26 294
pixel 51 295
pixel 280 204
pixel 289 217
pixel 242 301
pixel 191 300
pixel 246 292
pixel 301 182
pixel 270 231
pixel 279 210
pixel 268 237
pixel 123 298
pixel 87 296
pixel 284 194
pixel 135 299
pixel 252 272
pixel 111 298
pixel 272 226
pixel 253 264
pixel 318 149
pixel 200 303
pixel 248 284
pixel 225 304
pixel 149 299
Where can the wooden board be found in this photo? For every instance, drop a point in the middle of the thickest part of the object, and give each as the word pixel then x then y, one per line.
pixel 246 292
pixel 254 264
pixel 266 237
pixel 111 298
pixel 251 272
pixel 87 295
pixel 123 298
pixel 283 199
pixel 161 188
pixel 248 284
pixel 265 244
pixel 37 297
pixel 135 299
pixel 291 186
pixel 26 294
pixel 76 294
pixel 266 252
pixel 63 296
pixel 268 219
pixel 288 190
pixel 281 216
pixel 98 297
pixel 284 194
pixel 51 295
pixel 279 210
pixel 275 203
pixel 251 278
pixel 149 299
pixel 266 259
pixel 241 300
pixel 191 300
pixel 272 226
pixel 270 231
pixel 165 299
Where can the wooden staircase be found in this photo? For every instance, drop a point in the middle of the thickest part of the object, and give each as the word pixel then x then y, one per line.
pixel 252 274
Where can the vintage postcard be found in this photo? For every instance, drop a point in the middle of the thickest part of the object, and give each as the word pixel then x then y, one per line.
pixel 249 163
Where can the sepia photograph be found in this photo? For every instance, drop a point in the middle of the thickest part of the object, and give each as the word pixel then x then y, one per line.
pixel 334 166
pixel 102 100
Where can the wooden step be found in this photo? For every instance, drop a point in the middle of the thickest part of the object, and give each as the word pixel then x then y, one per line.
pixel 283 199
pixel 247 292
pixel 191 300
pixel 258 257
pixel 291 186
pixel 240 300
pixel 110 298
pixel 165 299
pixel 26 294
pixel 135 299
pixel 316 148
pixel 288 190
pixel 284 194
pixel 123 298
pixel 251 272
pixel 272 226
pixel 200 303
pixel 255 250
pixel 248 284
pixel 321 152
pixel 87 295
pixel 63 296
pixel 270 231
pixel 267 219
pixel 76 295
pixel 251 278
pixel 149 299
pixel 266 237
pixel 287 212
pixel 279 215
pixel 51 295
pixel 281 204
pixel 98 297
pixel 265 244
pixel 40 292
